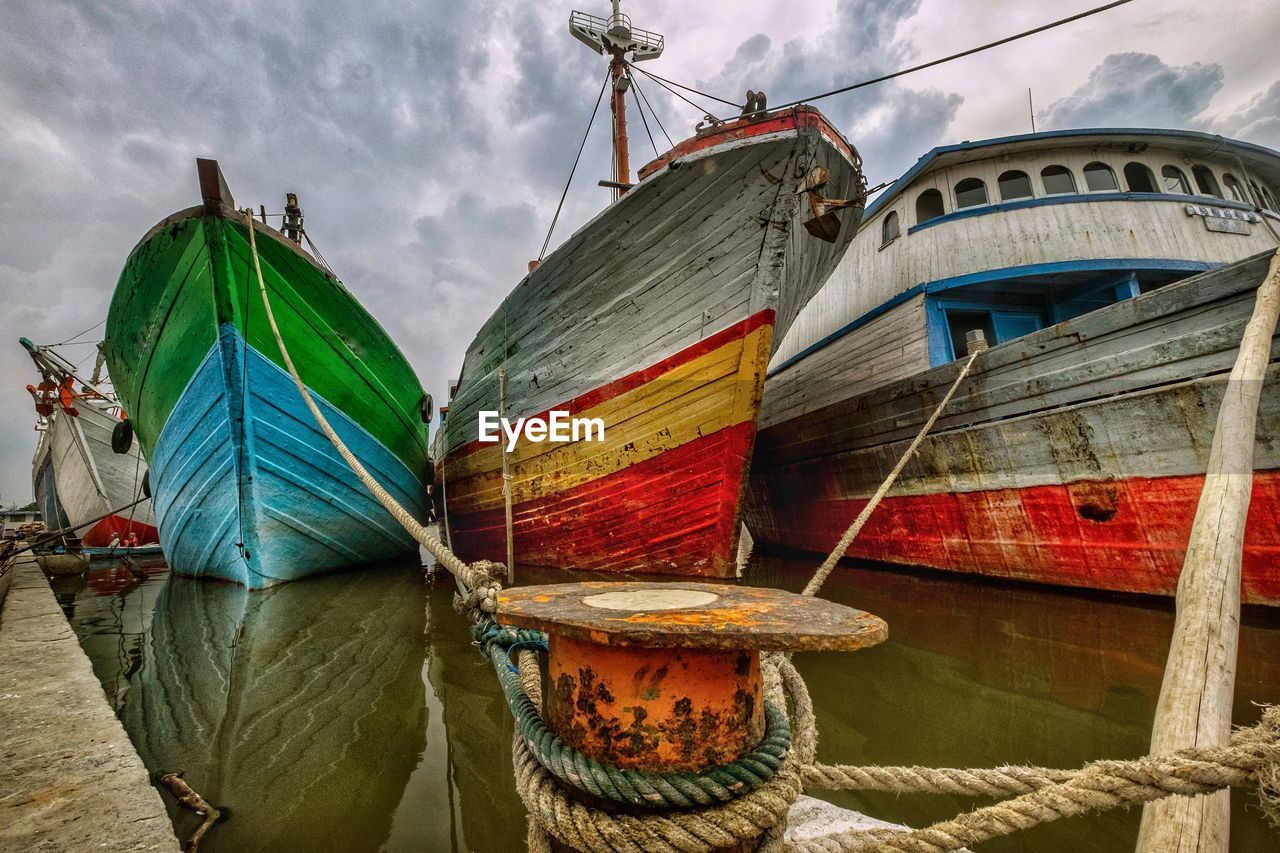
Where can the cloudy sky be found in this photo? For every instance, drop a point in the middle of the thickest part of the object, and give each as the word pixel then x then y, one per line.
pixel 429 141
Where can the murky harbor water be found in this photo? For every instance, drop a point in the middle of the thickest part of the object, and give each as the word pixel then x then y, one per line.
pixel 352 713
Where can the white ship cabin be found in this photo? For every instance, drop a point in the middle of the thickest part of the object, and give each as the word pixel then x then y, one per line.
pixel 1014 234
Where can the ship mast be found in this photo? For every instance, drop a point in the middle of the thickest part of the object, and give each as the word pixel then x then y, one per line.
pixel 616 38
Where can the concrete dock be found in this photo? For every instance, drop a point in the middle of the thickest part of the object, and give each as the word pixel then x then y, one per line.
pixel 70 778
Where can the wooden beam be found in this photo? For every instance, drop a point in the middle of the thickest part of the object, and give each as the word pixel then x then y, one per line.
pixel 213 186
pixel 1200 671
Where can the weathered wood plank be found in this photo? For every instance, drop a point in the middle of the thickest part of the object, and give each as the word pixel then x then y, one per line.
pixel 1200 674
pixel 1184 330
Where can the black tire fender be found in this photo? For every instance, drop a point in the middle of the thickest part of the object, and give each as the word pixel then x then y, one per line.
pixel 122 437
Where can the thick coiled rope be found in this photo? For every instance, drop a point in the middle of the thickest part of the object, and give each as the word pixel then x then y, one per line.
pixel 644 789
pixel 761 812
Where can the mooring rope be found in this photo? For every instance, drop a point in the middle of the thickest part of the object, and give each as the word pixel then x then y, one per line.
pixel 479 583
pixel 1252 759
pixel 820 576
pixel 650 790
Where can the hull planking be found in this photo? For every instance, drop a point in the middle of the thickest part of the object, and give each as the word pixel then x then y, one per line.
pixel 1073 456
pixel 657 317
pixel 77 477
pixel 246 487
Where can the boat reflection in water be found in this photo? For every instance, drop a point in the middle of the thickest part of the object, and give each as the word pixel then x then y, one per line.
pixel 463 795
pixel 301 710
pixel 352 712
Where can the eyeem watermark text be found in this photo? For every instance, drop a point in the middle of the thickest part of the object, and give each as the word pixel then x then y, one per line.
pixel 558 426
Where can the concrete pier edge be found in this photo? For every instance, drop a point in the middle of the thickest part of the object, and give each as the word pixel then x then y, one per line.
pixel 70 779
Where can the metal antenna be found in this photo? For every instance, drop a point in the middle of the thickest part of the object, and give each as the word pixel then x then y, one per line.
pixel 616 38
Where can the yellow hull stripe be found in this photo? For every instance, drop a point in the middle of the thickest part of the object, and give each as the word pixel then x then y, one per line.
pixel 716 390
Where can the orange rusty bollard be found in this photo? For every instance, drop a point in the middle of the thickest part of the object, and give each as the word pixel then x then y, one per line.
pixel 666 676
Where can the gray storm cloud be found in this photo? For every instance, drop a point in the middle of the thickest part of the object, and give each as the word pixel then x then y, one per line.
pixel 429 141
pixel 1258 121
pixel 860 39
pixel 1138 90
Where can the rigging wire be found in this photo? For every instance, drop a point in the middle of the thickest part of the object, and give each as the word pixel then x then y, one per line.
pixel 635 81
pixel 581 146
pixel 698 107
pixel 997 43
pixel 914 68
pixel 640 109
pixel 85 332
pixel 689 88
pixel 316 251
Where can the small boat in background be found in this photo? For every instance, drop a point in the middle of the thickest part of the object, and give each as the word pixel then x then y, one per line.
pixel 246 486
pixel 1075 450
pixel 656 319
pixel 83 474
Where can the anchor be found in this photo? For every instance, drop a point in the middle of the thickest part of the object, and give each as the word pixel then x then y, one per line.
pixel 824 225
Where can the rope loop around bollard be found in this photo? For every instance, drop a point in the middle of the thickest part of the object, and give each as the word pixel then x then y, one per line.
pixel 643 789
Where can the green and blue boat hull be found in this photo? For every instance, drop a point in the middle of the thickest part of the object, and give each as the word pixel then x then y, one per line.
pixel 246 487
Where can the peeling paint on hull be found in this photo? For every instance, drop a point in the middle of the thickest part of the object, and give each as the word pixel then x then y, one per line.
pixel 1044 533
pixel 661 493
pixel 658 316
pixel 1072 456
pixel 89 480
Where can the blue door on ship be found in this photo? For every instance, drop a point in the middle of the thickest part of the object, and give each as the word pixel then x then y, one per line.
pixel 998 325
pixel 1015 324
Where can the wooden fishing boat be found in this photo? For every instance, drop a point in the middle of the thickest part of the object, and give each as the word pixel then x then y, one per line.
pixel 78 480
pixel 1075 451
pixel 246 487
pixel 282 706
pixel 657 318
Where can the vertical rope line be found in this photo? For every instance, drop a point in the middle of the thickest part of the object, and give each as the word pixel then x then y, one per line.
pixel 640 109
pixel 635 81
pixel 820 576
pixel 586 133
pixel 445 556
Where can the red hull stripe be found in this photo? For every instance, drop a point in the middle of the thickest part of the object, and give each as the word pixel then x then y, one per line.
pixel 745 128
pixel 645 375
pixel 674 513
pixel 99 536
pixel 1126 536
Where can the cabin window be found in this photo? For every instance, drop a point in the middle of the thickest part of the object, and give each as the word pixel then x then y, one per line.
pixel 1058 180
pixel 889 228
pixel 1175 181
pixel 1099 178
pixel 971 192
pixel 1259 197
pixel 1233 187
pixel 929 206
pixel 1206 183
pixel 1014 184
pixel 1139 178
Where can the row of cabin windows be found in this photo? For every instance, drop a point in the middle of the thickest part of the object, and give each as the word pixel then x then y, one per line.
pixel 1098 177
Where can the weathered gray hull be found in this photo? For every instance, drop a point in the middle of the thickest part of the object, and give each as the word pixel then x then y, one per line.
pixel 658 318
pixel 1072 456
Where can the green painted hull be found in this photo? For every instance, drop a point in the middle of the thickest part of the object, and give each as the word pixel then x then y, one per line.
pixel 193 274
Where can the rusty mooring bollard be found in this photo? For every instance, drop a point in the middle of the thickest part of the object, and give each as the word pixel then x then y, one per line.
pixel 666 676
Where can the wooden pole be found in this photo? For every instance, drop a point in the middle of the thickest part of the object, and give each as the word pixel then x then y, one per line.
pixel 619 107
pixel 506 477
pixel 1200 672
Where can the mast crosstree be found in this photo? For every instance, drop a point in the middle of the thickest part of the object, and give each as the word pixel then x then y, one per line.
pixel 616 37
